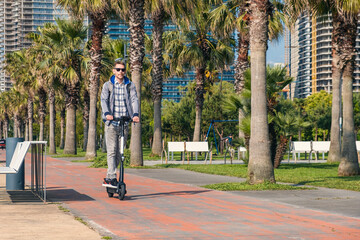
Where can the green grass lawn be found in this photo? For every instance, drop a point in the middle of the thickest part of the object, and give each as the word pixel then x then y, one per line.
pixel 313 174
pixel 244 186
pixel 59 153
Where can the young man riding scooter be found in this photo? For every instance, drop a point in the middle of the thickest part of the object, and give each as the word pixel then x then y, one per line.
pixel 118 100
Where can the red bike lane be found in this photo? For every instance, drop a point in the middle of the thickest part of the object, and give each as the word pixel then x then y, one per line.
pixel 155 209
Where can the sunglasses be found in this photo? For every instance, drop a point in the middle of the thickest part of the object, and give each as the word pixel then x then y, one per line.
pixel 120 69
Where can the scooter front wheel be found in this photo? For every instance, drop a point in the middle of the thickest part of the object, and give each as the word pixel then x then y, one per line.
pixel 122 192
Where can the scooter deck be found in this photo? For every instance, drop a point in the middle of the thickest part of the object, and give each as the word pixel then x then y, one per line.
pixel 109 185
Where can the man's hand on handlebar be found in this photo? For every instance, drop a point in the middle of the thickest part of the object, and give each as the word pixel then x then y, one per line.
pixel 136 119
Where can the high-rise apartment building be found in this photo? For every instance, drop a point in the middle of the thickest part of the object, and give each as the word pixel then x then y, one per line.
pixel 17 19
pixel 308 56
pixel 2 44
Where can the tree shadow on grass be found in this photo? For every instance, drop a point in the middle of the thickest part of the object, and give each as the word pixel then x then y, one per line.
pixel 309 165
pixel 351 179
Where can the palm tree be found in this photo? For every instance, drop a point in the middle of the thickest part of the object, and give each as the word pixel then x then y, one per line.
pixel 345 16
pixel 159 11
pixel 18 103
pixel 234 15
pixel 133 11
pixel 137 53
pixel 349 165
pixel 50 67
pixel 195 48
pixel 68 38
pixel 99 13
pixel 260 168
pixel 227 17
pixel 20 66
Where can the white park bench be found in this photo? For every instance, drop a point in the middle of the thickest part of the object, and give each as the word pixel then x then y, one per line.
pixel 321 147
pixel 38 165
pixel 301 147
pixel 187 147
pixel 175 147
pixel 197 147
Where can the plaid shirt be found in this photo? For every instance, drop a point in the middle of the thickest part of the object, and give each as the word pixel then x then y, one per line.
pixel 119 104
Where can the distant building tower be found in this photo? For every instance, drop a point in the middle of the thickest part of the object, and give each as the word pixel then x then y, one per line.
pixel 2 45
pixel 308 56
pixel 17 19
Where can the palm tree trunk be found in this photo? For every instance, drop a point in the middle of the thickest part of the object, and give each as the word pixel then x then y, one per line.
pixel 157 77
pixel 6 126
pixel 349 165
pixel 199 102
pixel 86 100
pixel 52 147
pixel 42 111
pixel 242 63
pixel 26 129
pixel 335 148
pixel 70 135
pixel 62 128
pixel 280 150
pixel 30 116
pixel 16 125
pixel 98 28
pixel 137 53
pixel 1 129
pixel 157 137
pixel 260 168
pixel 72 98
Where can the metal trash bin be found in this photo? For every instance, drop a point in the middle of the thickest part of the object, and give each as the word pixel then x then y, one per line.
pixel 14 181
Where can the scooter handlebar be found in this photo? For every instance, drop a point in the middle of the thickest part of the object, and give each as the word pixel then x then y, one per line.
pixel 123 119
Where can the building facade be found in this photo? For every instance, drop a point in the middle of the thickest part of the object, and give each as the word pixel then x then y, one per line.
pixel 309 59
pixel 17 19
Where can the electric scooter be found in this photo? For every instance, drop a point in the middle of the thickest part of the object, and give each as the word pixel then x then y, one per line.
pixel 120 189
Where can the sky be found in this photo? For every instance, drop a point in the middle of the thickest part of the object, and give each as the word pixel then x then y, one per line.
pixel 275 52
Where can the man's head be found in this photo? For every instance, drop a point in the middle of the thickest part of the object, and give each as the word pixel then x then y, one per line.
pixel 119 70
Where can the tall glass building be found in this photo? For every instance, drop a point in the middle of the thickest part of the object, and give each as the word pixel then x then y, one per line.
pixel 309 59
pixel 17 19
pixel 2 45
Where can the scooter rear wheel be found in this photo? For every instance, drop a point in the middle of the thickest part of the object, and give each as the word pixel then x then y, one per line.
pixel 110 194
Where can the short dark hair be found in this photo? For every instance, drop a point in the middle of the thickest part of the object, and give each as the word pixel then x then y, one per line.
pixel 119 62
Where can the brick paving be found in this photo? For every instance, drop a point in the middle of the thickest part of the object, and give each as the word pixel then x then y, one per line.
pixel 160 209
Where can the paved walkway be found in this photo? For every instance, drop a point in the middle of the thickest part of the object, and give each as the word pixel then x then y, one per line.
pixel 169 204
